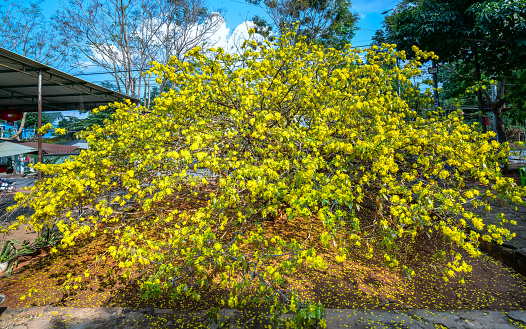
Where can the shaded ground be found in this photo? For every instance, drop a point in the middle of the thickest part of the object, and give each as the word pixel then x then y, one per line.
pixel 360 283
pixel 24 232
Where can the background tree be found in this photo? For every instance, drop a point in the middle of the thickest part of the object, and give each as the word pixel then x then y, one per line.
pixel 104 117
pixel 32 119
pixel 123 36
pixel 380 36
pixel 99 117
pixel 328 22
pixel 487 38
pixel 72 124
pixel 517 97
pixel 29 120
pixel 25 31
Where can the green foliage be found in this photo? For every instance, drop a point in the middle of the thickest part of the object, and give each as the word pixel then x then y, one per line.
pixel 438 26
pixel 72 124
pixel 483 40
pixel 502 26
pixel 50 236
pixel 310 316
pixel 326 22
pixel 455 30
pixel 99 118
pixel 32 120
pixel 9 253
pixel 516 91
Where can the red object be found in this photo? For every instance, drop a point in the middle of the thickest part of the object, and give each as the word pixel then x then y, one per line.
pixel 486 120
pixel 10 115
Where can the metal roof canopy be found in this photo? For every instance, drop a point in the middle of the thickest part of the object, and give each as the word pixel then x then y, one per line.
pixel 31 86
pixel 60 91
pixel 52 149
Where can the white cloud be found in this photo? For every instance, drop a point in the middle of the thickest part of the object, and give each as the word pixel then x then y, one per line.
pixel 105 52
pixel 232 43
pixel 86 64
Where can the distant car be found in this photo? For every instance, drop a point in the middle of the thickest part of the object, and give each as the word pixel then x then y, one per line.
pixel 7 185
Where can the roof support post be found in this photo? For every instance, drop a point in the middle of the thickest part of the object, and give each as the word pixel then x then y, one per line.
pixel 39 122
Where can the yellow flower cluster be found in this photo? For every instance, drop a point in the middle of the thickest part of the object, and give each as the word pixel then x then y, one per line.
pixel 45 128
pixel 284 131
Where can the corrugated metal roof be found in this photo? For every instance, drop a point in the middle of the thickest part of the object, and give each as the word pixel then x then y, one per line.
pixel 60 91
pixel 52 148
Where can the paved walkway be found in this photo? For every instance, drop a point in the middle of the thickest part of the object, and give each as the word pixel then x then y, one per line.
pixel 113 318
pixel 513 252
pixel 21 180
pixel 7 199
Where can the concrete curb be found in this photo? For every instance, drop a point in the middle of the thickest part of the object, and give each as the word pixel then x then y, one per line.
pixel 507 254
pixel 115 317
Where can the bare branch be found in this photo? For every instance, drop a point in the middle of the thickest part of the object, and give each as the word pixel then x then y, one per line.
pixel 25 31
pixel 123 36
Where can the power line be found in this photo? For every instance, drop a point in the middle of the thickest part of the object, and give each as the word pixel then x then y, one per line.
pixel 107 72
pixel 243 2
pixel 137 70
pixel 362 40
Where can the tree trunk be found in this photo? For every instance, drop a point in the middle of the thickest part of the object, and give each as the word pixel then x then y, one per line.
pixel 497 106
pixel 501 135
pixel 20 129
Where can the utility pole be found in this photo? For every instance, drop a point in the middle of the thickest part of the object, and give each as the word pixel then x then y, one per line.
pixel 480 102
pixel 434 72
pixel 493 99
pixel 40 160
pixel 398 78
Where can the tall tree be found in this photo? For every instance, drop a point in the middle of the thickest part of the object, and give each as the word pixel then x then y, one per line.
pixel 25 31
pixel 123 36
pixel 489 37
pixel 328 22
pixel 517 98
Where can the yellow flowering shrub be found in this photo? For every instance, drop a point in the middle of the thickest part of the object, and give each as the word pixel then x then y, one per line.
pixel 284 130
pixel 45 128
pixel 49 127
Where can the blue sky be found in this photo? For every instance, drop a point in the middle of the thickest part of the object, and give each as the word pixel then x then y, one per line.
pixel 238 11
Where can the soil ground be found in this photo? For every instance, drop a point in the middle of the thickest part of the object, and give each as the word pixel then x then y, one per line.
pixel 360 284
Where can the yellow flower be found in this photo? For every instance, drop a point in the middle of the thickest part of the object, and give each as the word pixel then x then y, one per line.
pixel 278 133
